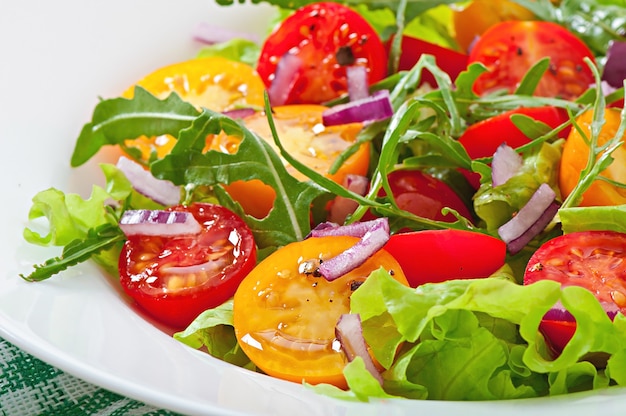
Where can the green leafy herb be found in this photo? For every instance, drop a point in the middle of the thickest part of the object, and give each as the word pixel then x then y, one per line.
pixel 77 251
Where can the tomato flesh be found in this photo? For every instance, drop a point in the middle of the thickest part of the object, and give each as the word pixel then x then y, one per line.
pixel 450 61
pixel 576 153
pixel 433 256
pixel 301 132
pixel 216 83
pixel 285 319
pixel 316 34
pixel 225 248
pixel 595 260
pixel 509 49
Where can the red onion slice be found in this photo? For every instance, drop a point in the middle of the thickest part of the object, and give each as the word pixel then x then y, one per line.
pixel 505 164
pixel 373 108
pixel 349 333
pixel 372 241
pixel 341 206
pixel 161 191
pixel 356 229
pixel 358 87
pixel 531 219
pixel 240 112
pixel 210 34
pixel 284 78
pixel 158 223
pixel 615 67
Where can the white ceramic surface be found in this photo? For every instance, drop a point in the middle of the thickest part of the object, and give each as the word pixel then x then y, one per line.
pixel 56 59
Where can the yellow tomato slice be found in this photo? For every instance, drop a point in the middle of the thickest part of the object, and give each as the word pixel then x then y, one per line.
pixel 215 83
pixel 285 319
pixel 574 160
pixel 302 133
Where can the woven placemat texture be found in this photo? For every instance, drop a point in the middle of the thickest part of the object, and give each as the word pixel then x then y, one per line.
pixel 28 387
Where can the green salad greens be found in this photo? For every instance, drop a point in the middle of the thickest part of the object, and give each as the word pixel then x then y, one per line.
pixel 457 340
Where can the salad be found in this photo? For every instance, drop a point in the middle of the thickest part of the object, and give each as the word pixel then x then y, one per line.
pixel 415 253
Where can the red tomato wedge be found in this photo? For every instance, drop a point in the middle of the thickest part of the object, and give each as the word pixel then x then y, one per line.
pixel 425 195
pixel 509 49
pixel 326 38
pixel 595 260
pixel 434 256
pixel 174 279
pixel 449 60
pixel 483 138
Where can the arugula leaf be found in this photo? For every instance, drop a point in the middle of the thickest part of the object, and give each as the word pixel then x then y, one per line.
pixel 118 119
pixel 77 251
pixel 187 164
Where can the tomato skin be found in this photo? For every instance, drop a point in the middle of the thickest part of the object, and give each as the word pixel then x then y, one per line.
pixel 315 33
pixel 433 256
pixel 482 139
pixel 424 195
pixel 509 49
pixel 214 82
pixel 576 153
pixel 285 320
pixel 450 61
pixel 594 260
pixel 177 300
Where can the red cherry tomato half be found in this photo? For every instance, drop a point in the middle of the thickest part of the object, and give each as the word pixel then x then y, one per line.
pixel 425 195
pixel 509 49
pixel 433 256
pixel 450 61
pixel 326 37
pixel 205 268
pixel 595 260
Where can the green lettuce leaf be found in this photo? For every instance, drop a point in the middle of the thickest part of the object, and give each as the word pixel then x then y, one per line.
pixel 213 330
pixel 495 206
pixel 459 341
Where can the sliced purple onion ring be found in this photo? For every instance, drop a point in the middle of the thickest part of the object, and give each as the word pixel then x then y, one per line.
pixel 159 190
pixel 505 164
pixel 240 112
pixel 531 219
pixel 158 223
pixel 349 333
pixel 358 86
pixel 284 78
pixel 341 206
pixel 371 241
pixel 615 67
pixel 375 107
pixel 356 229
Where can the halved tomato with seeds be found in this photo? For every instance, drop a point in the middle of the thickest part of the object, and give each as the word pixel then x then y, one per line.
pixel 175 278
pixel 595 260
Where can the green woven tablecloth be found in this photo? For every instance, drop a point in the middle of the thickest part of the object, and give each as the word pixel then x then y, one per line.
pixel 29 386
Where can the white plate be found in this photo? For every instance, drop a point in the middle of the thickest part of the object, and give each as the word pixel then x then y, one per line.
pixel 56 59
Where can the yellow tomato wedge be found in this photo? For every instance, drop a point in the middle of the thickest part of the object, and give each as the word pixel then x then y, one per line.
pixel 215 83
pixel 576 154
pixel 302 133
pixel 285 318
